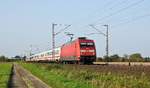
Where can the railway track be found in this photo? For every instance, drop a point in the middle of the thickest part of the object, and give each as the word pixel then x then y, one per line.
pixel 107 63
pixel 22 78
pixel 123 63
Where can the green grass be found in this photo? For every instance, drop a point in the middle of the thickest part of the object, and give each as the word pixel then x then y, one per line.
pixel 5 71
pixel 54 77
pixel 60 76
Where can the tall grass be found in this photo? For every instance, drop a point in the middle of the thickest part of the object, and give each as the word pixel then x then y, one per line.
pixel 5 71
pixel 62 76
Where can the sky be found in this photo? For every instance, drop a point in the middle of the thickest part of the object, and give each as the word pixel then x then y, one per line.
pixel 26 23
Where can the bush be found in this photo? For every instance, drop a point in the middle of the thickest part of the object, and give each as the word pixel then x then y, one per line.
pixel 136 57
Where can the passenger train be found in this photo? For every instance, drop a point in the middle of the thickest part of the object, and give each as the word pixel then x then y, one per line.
pixel 79 51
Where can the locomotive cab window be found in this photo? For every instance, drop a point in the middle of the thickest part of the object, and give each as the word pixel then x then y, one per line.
pixel 90 44
pixel 86 44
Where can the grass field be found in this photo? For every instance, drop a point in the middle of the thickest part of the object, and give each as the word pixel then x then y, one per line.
pixel 5 71
pixel 78 76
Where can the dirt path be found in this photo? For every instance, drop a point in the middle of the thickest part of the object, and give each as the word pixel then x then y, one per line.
pixel 22 78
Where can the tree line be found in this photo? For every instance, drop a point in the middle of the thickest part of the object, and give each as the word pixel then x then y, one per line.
pixel 136 57
pixel 6 59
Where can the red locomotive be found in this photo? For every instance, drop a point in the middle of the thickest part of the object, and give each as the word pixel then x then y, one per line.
pixel 81 50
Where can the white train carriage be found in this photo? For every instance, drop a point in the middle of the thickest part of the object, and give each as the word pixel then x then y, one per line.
pixel 47 55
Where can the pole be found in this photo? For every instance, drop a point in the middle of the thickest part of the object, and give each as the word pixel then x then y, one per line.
pixel 53 40
pixel 53 37
pixel 107 43
pixel 107 39
pixel 30 53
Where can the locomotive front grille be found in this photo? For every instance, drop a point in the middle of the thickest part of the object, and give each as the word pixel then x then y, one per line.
pixel 87 59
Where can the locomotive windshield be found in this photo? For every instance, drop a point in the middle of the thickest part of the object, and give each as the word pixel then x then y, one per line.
pixel 86 44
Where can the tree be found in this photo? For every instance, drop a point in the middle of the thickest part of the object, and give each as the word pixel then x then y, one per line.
pixel 147 59
pixel 99 59
pixel 115 58
pixel 136 57
pixel 125 58
pixel 106 59
pixel 17 57
pixel 3 58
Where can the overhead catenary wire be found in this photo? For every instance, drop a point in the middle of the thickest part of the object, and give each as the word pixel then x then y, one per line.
pixel 110 6
pixel 62 29
pixel 131 20
pixel 97 30
pixel 109 3
pixel 119 11
pixel 118 4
